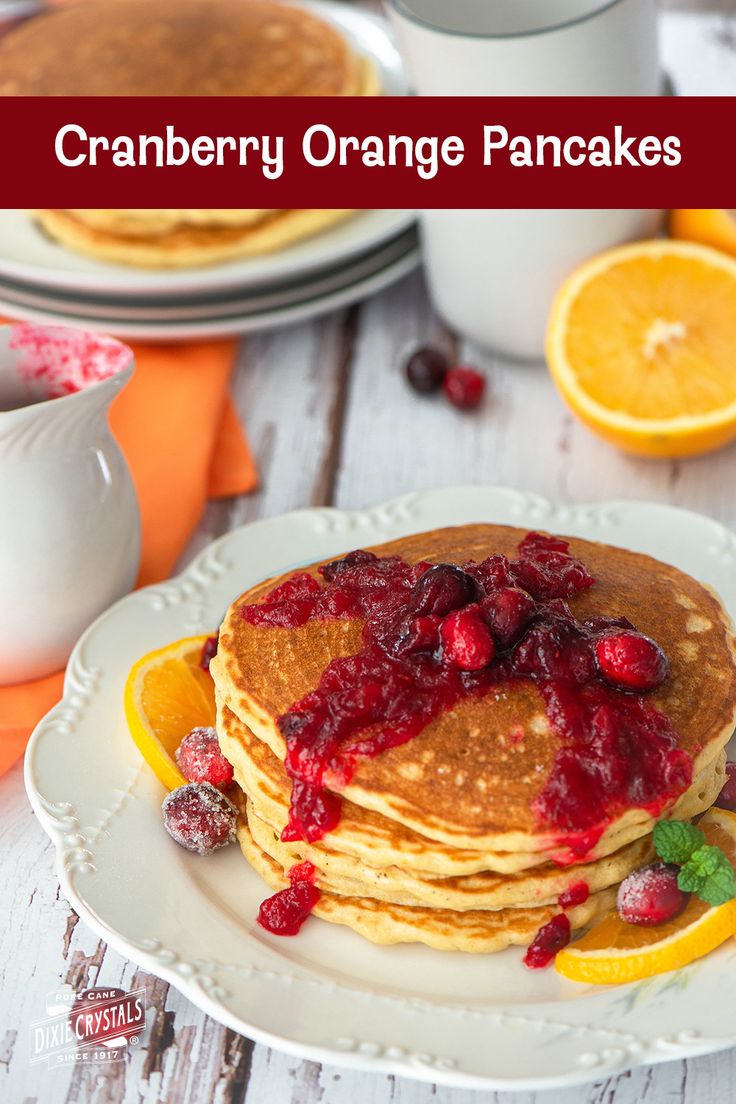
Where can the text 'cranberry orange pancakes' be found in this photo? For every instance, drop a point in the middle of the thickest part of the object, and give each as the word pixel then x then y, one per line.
pixel 465 735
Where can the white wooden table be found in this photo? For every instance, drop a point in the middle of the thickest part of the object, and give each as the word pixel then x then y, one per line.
pixel 331 422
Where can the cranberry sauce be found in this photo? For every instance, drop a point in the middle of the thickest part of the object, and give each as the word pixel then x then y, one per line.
pixel 285 912
pixel 550 939
pixel 435 634
pixel 575 894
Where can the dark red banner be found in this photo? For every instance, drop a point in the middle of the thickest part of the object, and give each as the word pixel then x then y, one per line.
pixel 372 152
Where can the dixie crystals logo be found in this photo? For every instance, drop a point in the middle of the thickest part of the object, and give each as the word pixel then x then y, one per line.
pixel 93 1025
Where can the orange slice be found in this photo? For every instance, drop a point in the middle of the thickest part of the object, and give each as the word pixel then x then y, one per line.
pixel 613 951
pixel 641 343
pixel 710 226
pixel 167 694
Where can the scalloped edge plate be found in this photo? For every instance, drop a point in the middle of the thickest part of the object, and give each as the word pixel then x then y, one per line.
pixel 459 1020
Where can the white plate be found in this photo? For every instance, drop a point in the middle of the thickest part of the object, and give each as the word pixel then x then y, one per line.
pixel 328 995
pixel 27 254
pixel 221 326
pixel 221 305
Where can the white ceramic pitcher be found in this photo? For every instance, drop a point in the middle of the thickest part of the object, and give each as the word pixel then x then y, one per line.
pixel 70 536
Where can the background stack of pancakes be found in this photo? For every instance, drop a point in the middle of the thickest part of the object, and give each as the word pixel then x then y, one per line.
pixel 438 842
pixel 181 48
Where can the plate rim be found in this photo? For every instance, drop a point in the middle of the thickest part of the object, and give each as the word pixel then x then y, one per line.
pixel 396 513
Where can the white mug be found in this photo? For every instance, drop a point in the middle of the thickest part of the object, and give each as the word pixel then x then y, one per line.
pixel 493 274
pixel 529 47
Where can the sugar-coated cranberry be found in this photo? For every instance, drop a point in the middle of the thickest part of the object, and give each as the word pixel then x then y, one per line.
pixel 209 651
pixel 631 660
pixel 467 643
pixel 651 895
pixel 199 759
pixel 727 797
pixel 442 589
pixel 464 387
pixel 199 817
pixel 426 369
pixel 547 942
pixel 508 611
pixel 358 558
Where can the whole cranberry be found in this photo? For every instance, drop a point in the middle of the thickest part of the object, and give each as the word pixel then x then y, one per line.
pixel 426 369
pixel 443 588
pixel 508 611
pixel 631 660
pixel 651 895
pixel 467 643
pixel 199 758
pixel 199 817
pixel 464 387
pixel 727 797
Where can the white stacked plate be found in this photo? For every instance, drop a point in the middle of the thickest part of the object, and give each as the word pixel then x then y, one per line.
pixel 44 282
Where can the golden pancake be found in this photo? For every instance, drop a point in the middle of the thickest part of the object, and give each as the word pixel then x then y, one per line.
pixel 186 246
pixel 153 221
pixel 365 839
pixel 472 931
pixel 463 780
pixel 178 48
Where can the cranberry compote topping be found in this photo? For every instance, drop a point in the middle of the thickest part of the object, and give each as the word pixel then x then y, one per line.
pixel 434 635
pixel 442 589
pixel 727 797
pixel 464 387
pixel 547 942
pixel 575 894
pixel 631 660
pixel 209 651
pixel 651 895
pixel 466 639
pixel 285 912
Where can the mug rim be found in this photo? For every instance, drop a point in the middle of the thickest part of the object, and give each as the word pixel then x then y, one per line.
pixel 400 7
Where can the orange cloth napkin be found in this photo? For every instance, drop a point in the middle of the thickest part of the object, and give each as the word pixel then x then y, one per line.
pixel 183 442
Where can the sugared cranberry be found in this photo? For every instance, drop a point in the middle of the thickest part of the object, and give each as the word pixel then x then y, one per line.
pixel 464 387
pixel 467 643
pixel 209 651
pixel 651 895
pixel 547 942
pixel 199 759
pixel 442 589
pixel 199 817
pixel 425 369
pixel 358 558
pixel 508 611
pixel 727 797
pixel 631 660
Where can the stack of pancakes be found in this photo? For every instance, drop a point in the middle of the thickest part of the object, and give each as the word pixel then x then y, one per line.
pixel 437 841
pixel 181 48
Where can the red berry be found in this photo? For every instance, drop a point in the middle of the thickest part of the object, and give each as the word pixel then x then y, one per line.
pixel 575 894
pixel 727 797
pixel 508 612
pixel 199 759
pixel 631 660
pixel 547 942
pixel 209 651
pixel 199 817
pixel 426 368
pixel 651 895
pixel 443 588
pixel 464 387
pixel 285 912
pixel 466 640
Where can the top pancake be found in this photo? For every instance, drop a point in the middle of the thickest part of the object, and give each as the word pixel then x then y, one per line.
pixel 462 780
pixel 177 48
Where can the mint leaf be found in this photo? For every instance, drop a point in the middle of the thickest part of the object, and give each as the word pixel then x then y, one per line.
pixel 709 874
pixel 676 840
